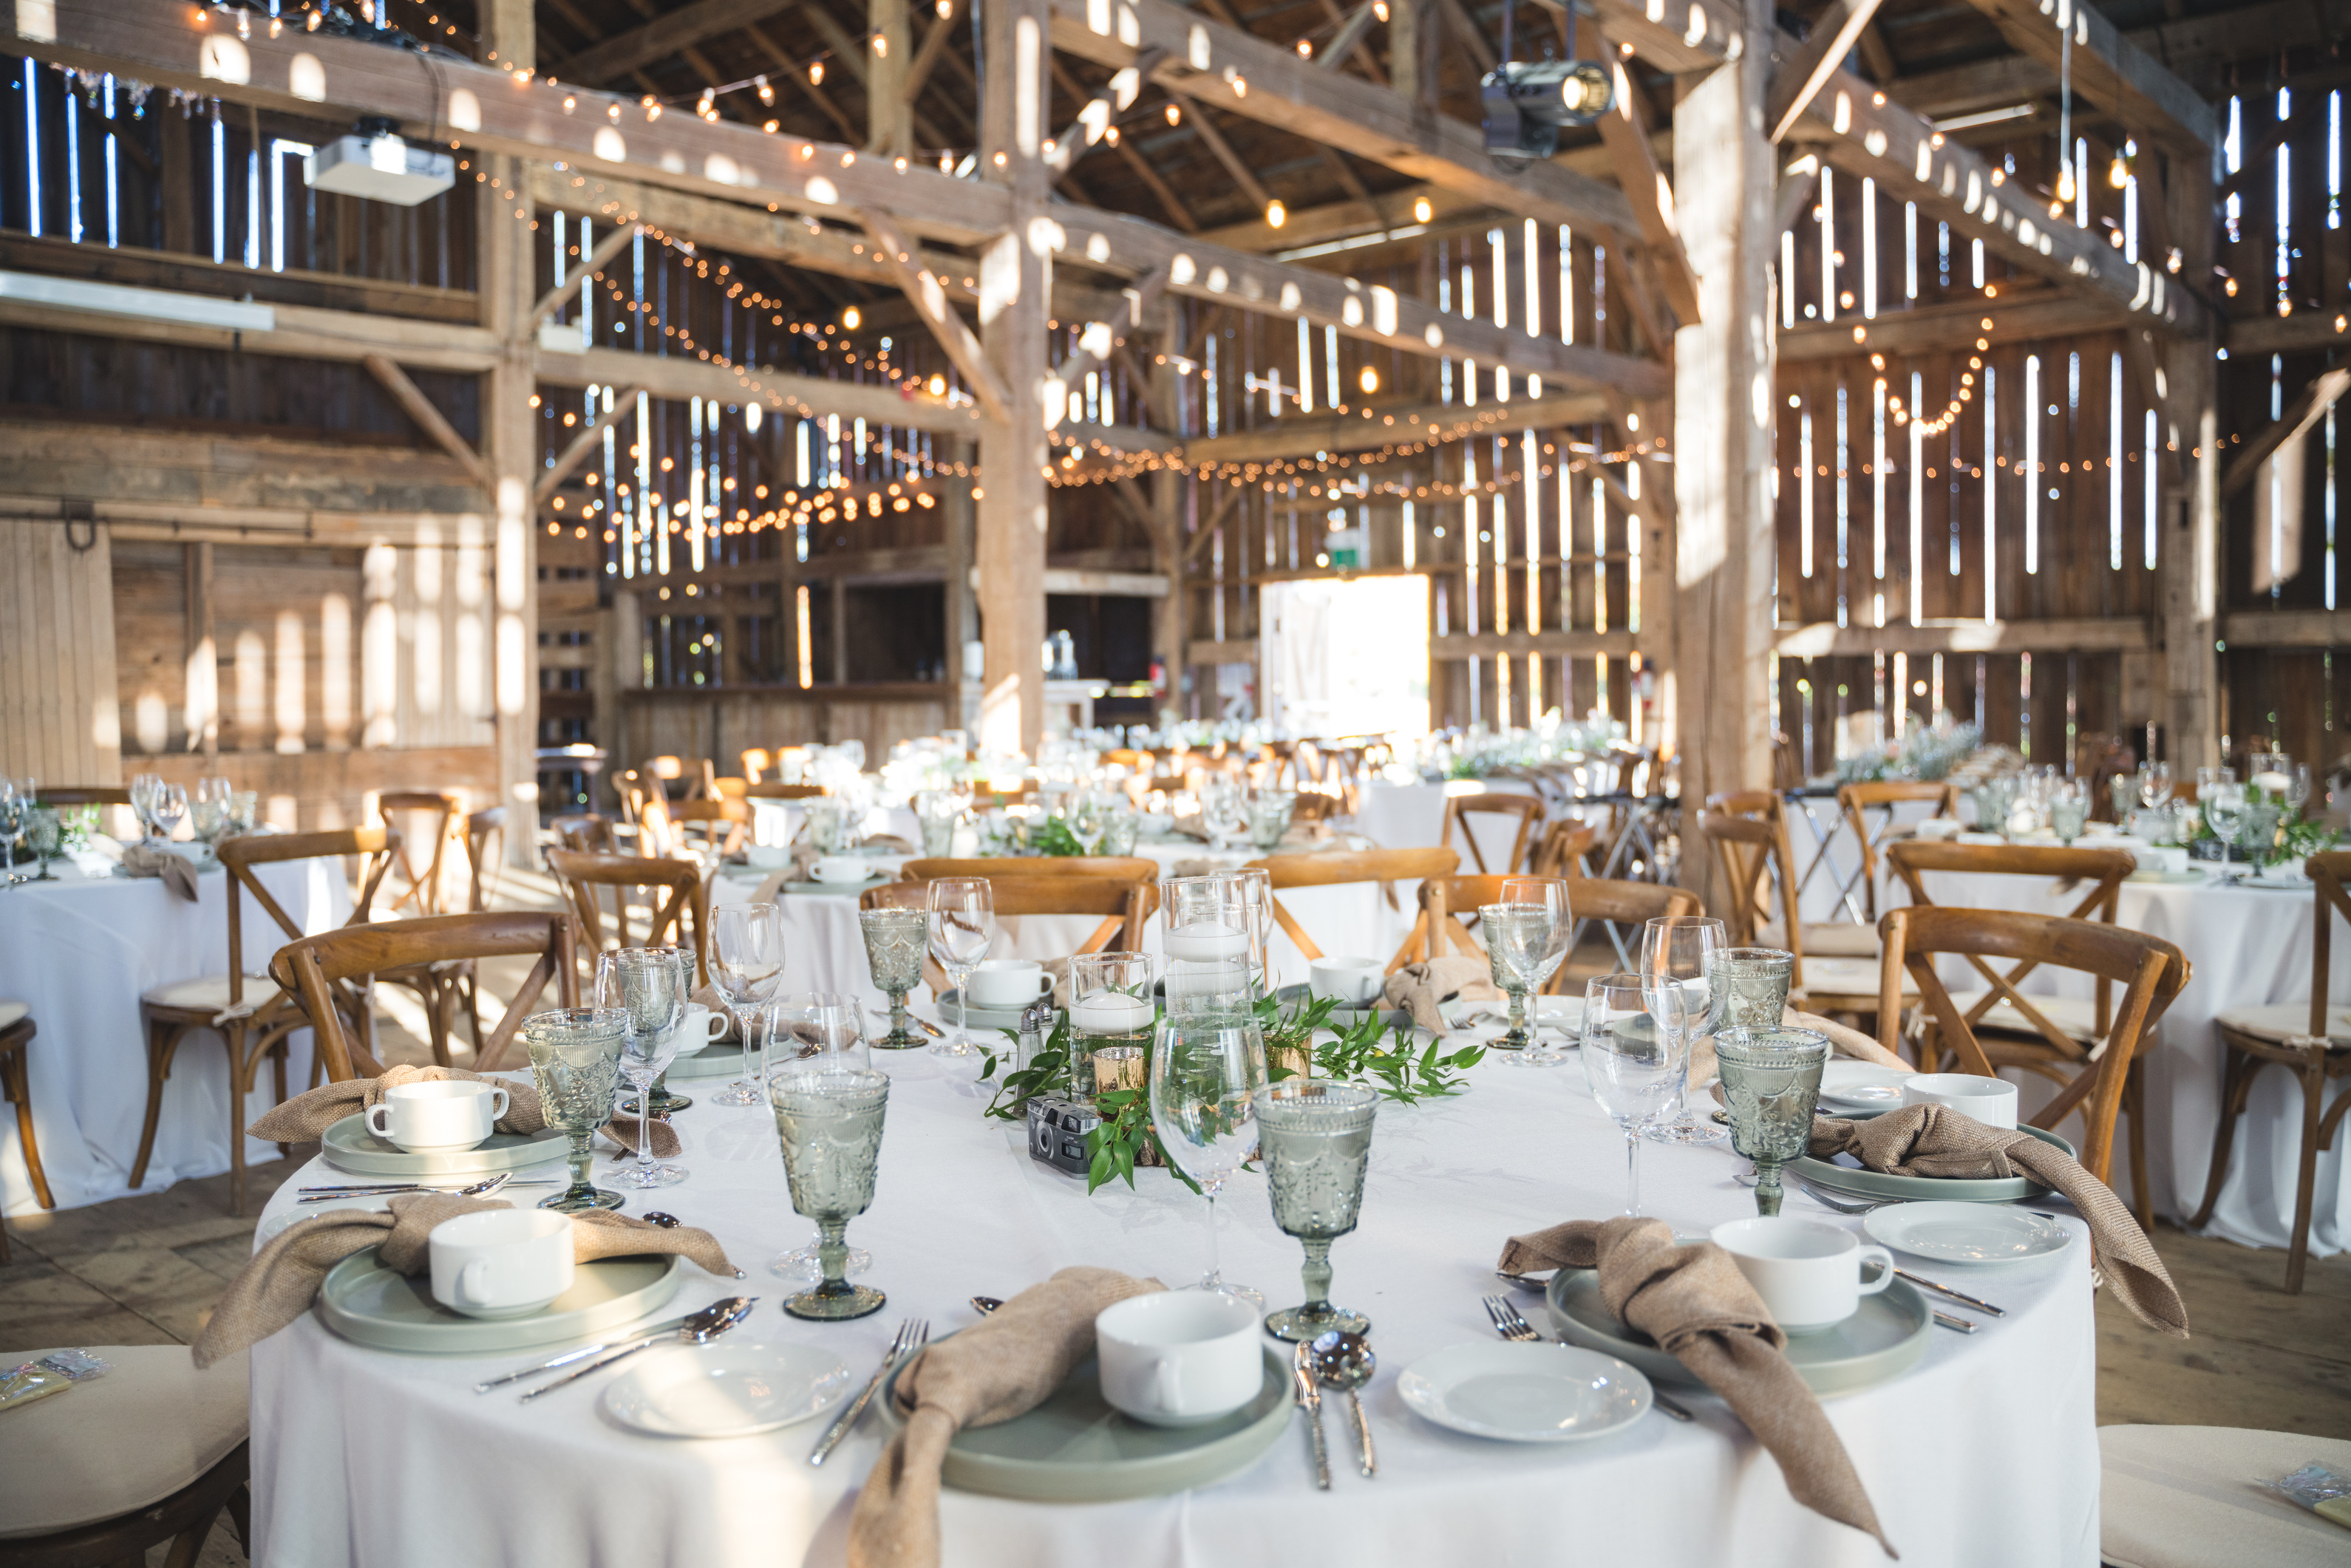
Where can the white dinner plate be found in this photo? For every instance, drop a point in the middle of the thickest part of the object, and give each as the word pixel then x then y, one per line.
pixel 1969 1235
pixel 727 1389
pixel 1859 1086
pixel 1526 1393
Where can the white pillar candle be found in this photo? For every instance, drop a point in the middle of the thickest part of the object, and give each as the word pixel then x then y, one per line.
pixel 2271 783
pixel 1111 1012
pixel 1207 944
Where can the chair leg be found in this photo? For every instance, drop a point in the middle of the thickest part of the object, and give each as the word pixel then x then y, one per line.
pixel 278 1056
pixel 163 1039
pixel 2134 1108
pixel 2236 1086
pixel 2314 1099
pixel 20 1090
pixel 240 1082
pixel 189 1543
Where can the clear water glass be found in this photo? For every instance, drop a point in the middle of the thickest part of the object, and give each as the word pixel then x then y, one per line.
pixel 1252 892
pixel 1316 1140
pixel 827 825
pixel 747 965
pixel 244 810
pixel 1269 812
pixel 575 1061
pixel 894 942
pixel 1210 939
pixel 1529 943
pixel 1674 952
pixel 1772 1085
pixel 650 986
pixel 829 1120
pixel 814 1031
pixel 2224 811
pixel 1205 1068
pixel 2154 784
pixel 169 804
pixel 1634 1066
pixel 1750 986
pixel 1121 827
pixel 936 815
pixel 962 915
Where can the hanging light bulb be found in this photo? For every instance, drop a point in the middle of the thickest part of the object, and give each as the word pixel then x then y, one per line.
pixel 849 319
pixel 1421 211
pixel 1369 380
pixel 709 97
pixel 1275 215
pixel 816 73
pixel 2065 183
pixel 767 92
pixel 1175 114
pixel 2118 171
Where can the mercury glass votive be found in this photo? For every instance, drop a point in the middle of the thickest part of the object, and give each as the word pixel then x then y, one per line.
pixel 575 1061
pixel 894 942
pixel 1771 1083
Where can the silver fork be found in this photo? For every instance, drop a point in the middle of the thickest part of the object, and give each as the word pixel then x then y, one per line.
pixel 912 1335
pixel 1840 1204
pixel 1511 1326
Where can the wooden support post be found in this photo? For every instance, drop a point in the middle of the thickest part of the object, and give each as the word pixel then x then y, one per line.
pixel 1404 74
pixel 428 419
pixel 962 611
pixel 203 679
pixel 1171 615
pixel 1722 433
pixel 2192 512
pixel 1016 280
pixel 889 113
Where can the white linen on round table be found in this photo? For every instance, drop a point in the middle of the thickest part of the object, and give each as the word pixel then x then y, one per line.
pixel 1412 816
pixel 2246 947
pixel 1986 1453
pixel 81 951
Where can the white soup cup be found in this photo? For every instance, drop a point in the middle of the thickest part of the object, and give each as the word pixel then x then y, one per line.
pixel 1179 1358
pixel 1992 1100
pixel 501 1262
pixel 1006 983
pixel 444 1115
pixel 1350 982
pixel 1809 1274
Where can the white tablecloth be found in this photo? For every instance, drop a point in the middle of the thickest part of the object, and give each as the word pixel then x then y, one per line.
pixel 2247 948
pixel 81 951
pixel 1984 1454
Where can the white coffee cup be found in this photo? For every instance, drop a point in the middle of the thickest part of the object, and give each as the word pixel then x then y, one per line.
pixel 1809 1274
pixel 702 1027
pixel 437 1116
pixel 1350 982
pixel 501 1262
pixel 1179 1358
pixel 1007 983
pixel 767 857
pixel 1992 1100
pixel 842 868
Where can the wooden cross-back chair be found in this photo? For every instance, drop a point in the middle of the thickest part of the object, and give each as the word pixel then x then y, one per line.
pixel 447 811
pixel 1337 867
pixel 677 904
pixel 84 795
pixel 717 825
pixel 1449 906
pixel 1562 848
pixel 17 1031
pixel 320 970
pixel 586 832
pixel 755 762
pixel 2100 1084
pixel 1124 906
pixel 2306 1037
pixel 1459 809
pixel 2065 1024
pixel 482 827
pixel 1858 800
pixel 1125 868
pixel 1759 908
pixel 756 791
pixel 252 1017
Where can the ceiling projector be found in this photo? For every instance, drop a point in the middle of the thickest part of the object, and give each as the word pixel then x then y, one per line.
pixel 376 163
pixel 1526 102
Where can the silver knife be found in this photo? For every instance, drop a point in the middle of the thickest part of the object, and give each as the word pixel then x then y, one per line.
pixel 584 1351
pixel 1310 1399
pixel 1960 1296
pixel 1947 1321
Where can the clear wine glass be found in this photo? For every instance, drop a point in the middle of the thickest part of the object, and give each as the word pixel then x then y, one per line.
pixel 2298 786
pixel 1533 946
pixel 1635 1066
pixel 2154 784
pixel 11 805
pixel 1222 810
pixel 1674 953
pixel 2224 809
pixel 167 806
pixel 746 962
pixel 963 928
pixel 1087 820
pixel 1204 1068
pixel 142 799
pixel 814 1031
pixel 649 985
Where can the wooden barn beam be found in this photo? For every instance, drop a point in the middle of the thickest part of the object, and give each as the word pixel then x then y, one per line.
pixel 1624 130
pixel 1245 75
pixel 2285 334
pixel 2109 71
pixel 1959 325
pixel 2309 406
pixel 596 261
pixel 428 419
pixel 567 462
pixel 812 397
pixel 930 300
pixel 1826 639
pixel 665 35
pixel 1800 78
pixel 1571 644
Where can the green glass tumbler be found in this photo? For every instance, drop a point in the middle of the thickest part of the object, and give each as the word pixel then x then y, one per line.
pixel 575 1059
pixel 1316 1139
pixel 1771 1083
pixel 829 1121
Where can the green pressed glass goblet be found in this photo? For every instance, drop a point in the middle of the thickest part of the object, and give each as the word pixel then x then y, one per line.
pixel 895 943
pixel 829 1120
pixel 1316 1140
pixel 1771 1083
pixel 575 1058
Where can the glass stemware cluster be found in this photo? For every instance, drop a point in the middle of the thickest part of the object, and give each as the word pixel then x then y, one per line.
pixel 1527 934
pixel 649 986
pixel 746 963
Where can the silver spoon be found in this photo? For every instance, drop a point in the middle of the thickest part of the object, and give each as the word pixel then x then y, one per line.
pixel 984 1305
pixel 700 1329
pixel 1344 1361
pixel 476 1190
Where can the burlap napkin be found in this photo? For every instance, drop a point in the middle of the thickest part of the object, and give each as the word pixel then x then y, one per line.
pixel 1843 1041
pixel 1694 1301
pixel 305 1118
pixel 278 1285
pixel 1418 988
pixel 1191 827
pixel 1006 1364
pixel 145 859
pixel 887 843
pixel 1936 1141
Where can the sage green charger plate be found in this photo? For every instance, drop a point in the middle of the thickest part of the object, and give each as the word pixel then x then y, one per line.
pixel 1923 1189
pixel 1075 1448
pixel 722 1059
pixel 1882 1339
pixel 369 1305
pixel 349 1146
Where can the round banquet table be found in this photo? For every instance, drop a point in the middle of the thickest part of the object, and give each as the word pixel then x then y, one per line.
pixel 81 951
pixel 2247 948
pixel 1985 1452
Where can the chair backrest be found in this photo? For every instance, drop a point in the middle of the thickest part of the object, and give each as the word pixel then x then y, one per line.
pixel 2329 870
pixel 447 813
pixel 679 913
pixel 1124 906
pixel 720 823
pixel 1751 852
pixel 376 847
pixel 586 831
pixel 1336 866
pixel 1459 809
pixel 2098 873
pixel 1562 848
pixel 1450 903
pixel 2151 969
pixel 1858 800
pixel 84 795
pixel 1125 868
pixel 758 791
pixel 755 760
pixel 481 827
pixel 318 969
